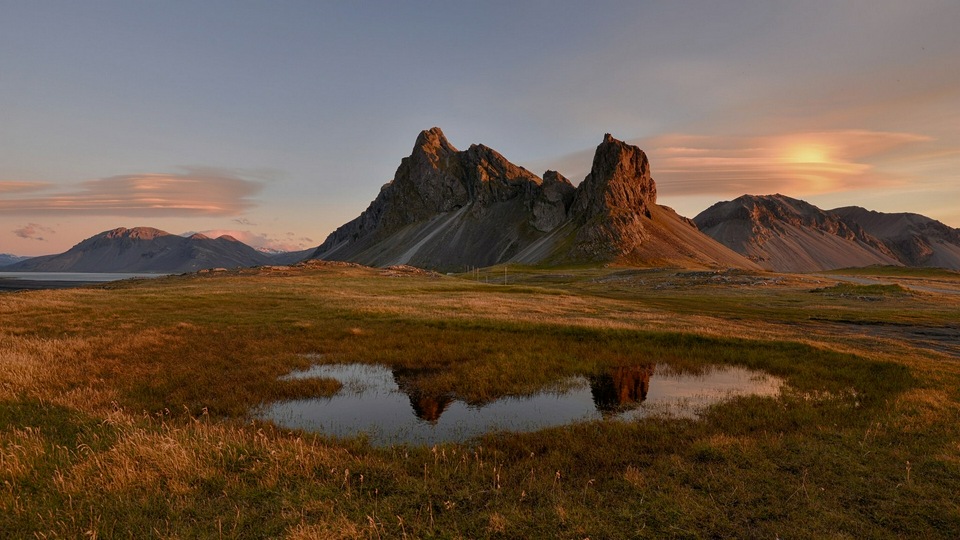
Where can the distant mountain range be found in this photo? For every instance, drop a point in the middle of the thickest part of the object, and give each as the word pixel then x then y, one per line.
pixel 144 249
pixel 448 209
pixel 6 258
pixel 789 235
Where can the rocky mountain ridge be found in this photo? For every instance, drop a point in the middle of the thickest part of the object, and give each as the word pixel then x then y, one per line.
pixel 914 239
pixel 450 209
pixel 790 235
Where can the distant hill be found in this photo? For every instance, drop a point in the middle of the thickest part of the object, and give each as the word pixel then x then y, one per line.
pixel 7 259
pixel 144 249
pixel 449 209
pixel 916 240
pixel 790 235
pixel 284 258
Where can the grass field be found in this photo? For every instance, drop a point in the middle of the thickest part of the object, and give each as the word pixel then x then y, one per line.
pixel 124 408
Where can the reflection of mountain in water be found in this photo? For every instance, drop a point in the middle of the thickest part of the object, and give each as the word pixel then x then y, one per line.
pixel 426 406
pixel 618 390
pixel 621 388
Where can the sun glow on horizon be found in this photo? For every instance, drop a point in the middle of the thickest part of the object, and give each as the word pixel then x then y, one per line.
pixel 807 153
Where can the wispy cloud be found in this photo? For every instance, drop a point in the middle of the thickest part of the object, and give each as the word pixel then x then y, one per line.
pixel 795 163
pixel 194 192
pixel 22 187
pixel 33 231
pixel 798 163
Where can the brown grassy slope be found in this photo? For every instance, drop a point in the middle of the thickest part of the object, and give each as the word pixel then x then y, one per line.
pixel 673 241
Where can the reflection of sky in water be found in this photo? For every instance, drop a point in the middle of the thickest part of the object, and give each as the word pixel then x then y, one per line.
pixel 77 277
pixel 372 402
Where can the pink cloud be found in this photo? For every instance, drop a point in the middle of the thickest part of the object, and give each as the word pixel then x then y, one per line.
pixel 33 231
pixel 195 192
pixel 796 163
pixel 22 187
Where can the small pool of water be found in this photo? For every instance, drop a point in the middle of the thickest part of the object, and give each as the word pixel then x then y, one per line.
pixel 385 404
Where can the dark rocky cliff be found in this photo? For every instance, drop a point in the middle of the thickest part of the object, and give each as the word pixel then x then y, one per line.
pixel 451 209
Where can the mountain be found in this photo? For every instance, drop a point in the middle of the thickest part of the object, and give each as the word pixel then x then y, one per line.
pixel 449 209
pixel 916 240
pixel 144 249
pixel 6 259
pixel 789 235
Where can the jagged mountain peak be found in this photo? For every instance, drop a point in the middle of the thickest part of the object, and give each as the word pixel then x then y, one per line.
pixel 433 138
pixel 612 201
pixel 554 177
pixel 432 147
pixel 619 179
pixel 450 209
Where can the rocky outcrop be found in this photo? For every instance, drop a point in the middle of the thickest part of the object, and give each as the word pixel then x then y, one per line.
pixel 915 240
pixel 790 235
pixel 450 209
pixel 551 202
pixel 612 201
pixel 458 208
pixel 145 249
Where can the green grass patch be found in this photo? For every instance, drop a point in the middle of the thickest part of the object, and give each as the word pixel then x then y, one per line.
pixel 845 290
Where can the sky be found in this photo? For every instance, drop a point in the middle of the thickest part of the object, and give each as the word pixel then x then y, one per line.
pixel 278 121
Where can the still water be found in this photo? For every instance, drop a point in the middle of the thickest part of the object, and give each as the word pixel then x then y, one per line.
pixel 24 281
pixel 74 277
pixel 384 404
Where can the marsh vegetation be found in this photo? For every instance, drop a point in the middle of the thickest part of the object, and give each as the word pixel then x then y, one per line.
pixel 125 409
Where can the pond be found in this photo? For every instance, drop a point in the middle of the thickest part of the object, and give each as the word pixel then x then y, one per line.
pixel 385 404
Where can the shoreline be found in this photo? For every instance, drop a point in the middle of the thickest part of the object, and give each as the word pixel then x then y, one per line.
pixel 14 285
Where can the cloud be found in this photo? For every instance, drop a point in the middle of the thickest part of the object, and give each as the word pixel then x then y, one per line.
pixel 798 163
pixel 194 192
pixel 245 221
pixel 33 231
pixel 263 241
pixel 22 187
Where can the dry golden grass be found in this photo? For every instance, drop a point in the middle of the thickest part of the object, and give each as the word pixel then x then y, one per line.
pixel 20 449
pixel 75 358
